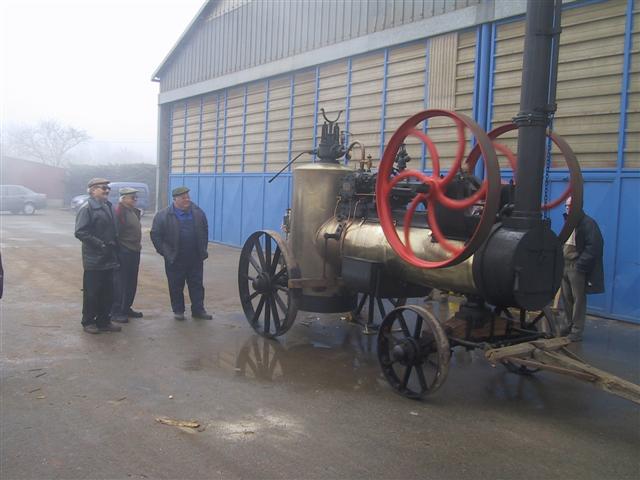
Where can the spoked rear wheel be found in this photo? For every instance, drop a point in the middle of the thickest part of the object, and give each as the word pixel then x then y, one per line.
pixel 265 268
pixel 413 351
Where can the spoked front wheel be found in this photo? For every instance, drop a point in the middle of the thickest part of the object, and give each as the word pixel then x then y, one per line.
pixel 413 351
pixel 265 267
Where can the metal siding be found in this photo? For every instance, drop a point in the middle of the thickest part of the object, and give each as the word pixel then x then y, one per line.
pixel 405 90
pixel 365 113
pixel 303 117
pixel 276 201
pixel 278 135
pixel 632 130
pixel 252 205
pixel 252 33
pixel 231 210
pixel 206 200
pixel 442 94
pixel 626 300
pixel 589 83
pixel 255 128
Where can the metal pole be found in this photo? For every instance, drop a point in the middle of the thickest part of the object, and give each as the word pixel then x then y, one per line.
pixel 533 117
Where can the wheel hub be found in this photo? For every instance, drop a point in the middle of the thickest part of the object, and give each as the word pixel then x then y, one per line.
pixel 406 352
pixel 262 283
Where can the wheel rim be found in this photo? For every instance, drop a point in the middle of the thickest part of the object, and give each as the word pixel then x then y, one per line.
pixel 29 209
pixel 413 351
pixel 263 275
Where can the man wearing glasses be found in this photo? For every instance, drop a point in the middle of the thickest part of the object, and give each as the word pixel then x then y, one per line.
pixel 129 243
pixel 96 229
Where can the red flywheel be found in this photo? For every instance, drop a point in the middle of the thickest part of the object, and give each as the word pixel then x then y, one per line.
pixel 574 186
pixel 488 195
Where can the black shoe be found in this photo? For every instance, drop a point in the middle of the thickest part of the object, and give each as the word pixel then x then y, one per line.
pixel 178 315
pixel 91 328
pixel 203 315
pixel 119 319
pixel 133 314
pixel 110 327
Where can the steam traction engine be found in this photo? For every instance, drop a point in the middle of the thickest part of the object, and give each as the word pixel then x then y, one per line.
pixel 397 232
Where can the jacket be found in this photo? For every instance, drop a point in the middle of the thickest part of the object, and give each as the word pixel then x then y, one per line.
pixel 590 245
pixel 97 230
pixel 165 232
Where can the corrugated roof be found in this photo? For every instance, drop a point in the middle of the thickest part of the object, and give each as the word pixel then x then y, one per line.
pixel 201 13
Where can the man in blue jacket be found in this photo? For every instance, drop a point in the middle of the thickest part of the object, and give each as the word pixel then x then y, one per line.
pixel 583 271
pixel 180 234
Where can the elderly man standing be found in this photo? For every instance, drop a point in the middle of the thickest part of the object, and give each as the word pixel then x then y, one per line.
pixel 180 234
pixel 583 271
pixel 96 229
pixel 129 240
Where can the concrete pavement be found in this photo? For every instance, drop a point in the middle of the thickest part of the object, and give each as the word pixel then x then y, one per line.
pixel 312 405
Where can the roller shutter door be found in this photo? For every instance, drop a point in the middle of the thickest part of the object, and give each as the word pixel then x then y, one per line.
pixel 632 131
pixel 234 130
pixel 278 122
pixel 589 80
pixel 254 127
pixel 367 78
pixel 405 93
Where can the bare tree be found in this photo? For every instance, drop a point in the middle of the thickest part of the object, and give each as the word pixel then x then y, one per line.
pixel 48 141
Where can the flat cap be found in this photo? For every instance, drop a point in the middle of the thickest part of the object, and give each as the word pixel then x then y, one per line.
pixel 127 191
pixel 94 182
pixel 179 191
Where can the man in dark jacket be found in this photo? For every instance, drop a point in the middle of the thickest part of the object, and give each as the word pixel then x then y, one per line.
pixel 129 242
pixel 180 234
pixel 96 229
pixel 583 271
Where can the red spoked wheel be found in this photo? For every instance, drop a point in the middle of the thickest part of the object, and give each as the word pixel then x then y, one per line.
pixel 488 194
pixel 574 187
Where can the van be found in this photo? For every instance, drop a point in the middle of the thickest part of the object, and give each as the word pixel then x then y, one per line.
pixel 114 195
pixel 143 193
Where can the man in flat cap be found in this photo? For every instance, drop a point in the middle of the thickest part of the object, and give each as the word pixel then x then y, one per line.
pixel 129 242
pixel 180 234
pixel 96 229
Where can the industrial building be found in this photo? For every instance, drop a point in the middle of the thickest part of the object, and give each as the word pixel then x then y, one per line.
pixel 241 94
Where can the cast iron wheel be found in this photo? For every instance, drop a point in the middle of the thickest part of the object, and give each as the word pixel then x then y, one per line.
pixel 263 282
pixel 543 321
pixel 413 351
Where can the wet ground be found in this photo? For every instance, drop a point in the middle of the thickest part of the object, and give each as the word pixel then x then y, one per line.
pixel 313 405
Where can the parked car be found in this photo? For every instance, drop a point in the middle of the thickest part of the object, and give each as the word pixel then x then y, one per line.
pixel 114 196
pixel 19 199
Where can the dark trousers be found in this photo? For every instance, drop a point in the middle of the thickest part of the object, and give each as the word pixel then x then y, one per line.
pixel 125 281
pixel 97 297
pixel 189 271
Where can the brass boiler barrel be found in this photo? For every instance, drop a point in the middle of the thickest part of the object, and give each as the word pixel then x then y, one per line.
pixel 365 239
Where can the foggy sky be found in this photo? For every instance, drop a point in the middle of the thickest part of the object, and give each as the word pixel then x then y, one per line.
pixel 88 64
